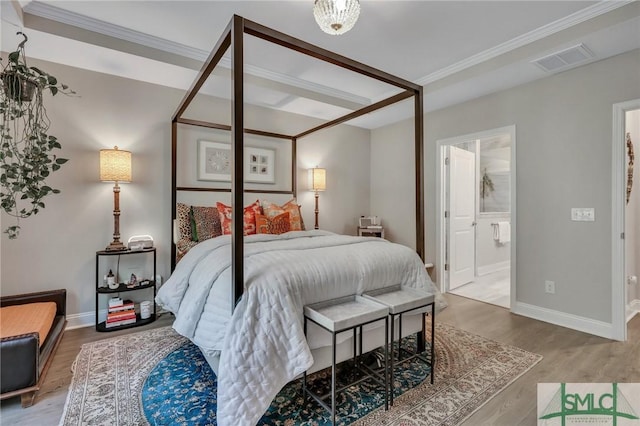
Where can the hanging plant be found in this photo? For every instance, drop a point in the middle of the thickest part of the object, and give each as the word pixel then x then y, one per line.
pixel 486 186
pixel 27 150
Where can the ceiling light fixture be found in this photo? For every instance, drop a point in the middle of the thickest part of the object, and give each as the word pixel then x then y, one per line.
pixel 336 16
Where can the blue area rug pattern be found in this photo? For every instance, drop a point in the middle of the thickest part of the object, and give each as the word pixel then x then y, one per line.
pixel 109 376
pixel 181 390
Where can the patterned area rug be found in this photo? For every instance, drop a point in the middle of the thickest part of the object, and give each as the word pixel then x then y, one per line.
pixel 136 380
pixel 185 375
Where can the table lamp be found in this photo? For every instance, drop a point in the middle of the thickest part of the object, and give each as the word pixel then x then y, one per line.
pixel 317 183
pixel 115 166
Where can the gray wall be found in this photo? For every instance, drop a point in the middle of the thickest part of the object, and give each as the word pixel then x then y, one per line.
pixel 56 248
pixel 563 145
pixel 393 183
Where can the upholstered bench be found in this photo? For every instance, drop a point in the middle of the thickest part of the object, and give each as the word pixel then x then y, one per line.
pixel 401 300
pixel 340 315
pixel 31 327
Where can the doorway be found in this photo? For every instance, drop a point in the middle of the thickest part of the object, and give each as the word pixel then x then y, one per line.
pixel 476 205
pixel 625 253
pixel 632 213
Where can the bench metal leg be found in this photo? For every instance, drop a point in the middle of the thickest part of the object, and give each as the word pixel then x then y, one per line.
pixel 333 380
pixel 386 365
pixel 304 375
pixel 399 336
pixel 355 360
pixel 433 340
pixel 391 356
pixel 381 378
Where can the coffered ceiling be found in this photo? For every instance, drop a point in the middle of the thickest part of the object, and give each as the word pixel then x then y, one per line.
pixel 458 50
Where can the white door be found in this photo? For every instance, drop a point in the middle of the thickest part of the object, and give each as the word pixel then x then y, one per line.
pixel 462 214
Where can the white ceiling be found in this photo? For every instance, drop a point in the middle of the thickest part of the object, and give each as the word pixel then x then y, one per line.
pixel 458 49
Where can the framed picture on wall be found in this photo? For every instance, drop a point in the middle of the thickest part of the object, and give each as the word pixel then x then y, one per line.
pixel 214 161
pixel 259 165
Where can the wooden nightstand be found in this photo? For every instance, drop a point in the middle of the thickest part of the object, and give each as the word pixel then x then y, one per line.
pixel 371 232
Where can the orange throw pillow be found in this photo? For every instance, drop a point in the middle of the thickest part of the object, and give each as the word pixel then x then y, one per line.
pixel 272 210
pixel 276 225
pixel 250 213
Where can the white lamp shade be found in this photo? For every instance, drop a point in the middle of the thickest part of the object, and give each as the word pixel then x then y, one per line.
pixel 317 179
pixel 115 165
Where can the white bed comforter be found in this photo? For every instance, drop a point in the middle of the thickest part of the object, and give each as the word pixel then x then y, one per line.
pixel 262 345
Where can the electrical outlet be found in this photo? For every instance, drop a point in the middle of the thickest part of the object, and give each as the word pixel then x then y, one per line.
pixel 550 287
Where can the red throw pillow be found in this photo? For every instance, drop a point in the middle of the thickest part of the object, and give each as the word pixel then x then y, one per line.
pixel 276 225
pixel 250 213
pixel 295 217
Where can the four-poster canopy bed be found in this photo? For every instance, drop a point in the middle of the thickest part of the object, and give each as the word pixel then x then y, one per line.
pixel 254 331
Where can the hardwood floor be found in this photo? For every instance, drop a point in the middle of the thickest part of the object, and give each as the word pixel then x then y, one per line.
pixel 569 356
pixel 49 401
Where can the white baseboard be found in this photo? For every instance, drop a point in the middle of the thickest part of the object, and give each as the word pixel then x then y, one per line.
pixel 574 322
pixel 633 308
pixel 494 267
pixel 84 319
pixel 88 319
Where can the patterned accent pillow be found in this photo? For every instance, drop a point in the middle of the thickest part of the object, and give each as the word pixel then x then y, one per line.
pixel 207 220
pixel 183 246
pixel 250 213
pixel 184 221
pixel 301 218
pixel 276 225
pixel 272 210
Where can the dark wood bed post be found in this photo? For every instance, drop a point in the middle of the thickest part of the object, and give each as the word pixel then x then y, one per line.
pixel 419 154
pixel 214 57
pixel 294 166
pixel 237 148
pixel 174 152
pixel 233 37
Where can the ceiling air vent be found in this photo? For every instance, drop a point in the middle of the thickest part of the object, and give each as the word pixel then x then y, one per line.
pixel 564 59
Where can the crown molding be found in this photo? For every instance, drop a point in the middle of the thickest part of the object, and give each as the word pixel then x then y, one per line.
pixel 48 11
pixel 539 33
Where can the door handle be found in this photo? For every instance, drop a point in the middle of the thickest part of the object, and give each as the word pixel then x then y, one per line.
pixel 474 223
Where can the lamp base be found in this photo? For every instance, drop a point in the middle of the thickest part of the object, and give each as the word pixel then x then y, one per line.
pixel 116 246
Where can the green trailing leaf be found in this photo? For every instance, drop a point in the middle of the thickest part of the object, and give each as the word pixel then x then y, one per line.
pixel 26 149
pixel 13 232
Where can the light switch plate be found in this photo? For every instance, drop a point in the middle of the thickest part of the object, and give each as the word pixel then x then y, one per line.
pixel 583 214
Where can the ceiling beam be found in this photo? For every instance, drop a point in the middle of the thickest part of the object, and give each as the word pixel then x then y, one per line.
pixel 285 40
pixel 50 19
pixel 366 110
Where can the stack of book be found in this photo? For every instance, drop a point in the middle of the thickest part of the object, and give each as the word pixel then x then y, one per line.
pixel 120 312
